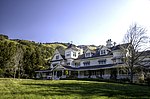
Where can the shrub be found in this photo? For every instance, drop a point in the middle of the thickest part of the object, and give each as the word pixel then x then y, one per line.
pixel 148 79
pixel 124 80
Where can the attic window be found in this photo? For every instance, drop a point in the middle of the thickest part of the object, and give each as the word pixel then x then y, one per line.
pixel 74 54
pixel 87 54
pixel 68 54
pixel 57 57
pixel 79 53
pixel 103 52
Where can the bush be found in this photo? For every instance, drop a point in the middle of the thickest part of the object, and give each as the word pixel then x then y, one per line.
pixel 1 73
pixel 124 80
pixel 141 78
pixel 148 79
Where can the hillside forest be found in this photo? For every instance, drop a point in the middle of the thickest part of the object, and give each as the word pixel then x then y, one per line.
pixel 21 58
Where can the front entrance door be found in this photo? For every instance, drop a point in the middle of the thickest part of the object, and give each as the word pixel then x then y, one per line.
pixel 59 73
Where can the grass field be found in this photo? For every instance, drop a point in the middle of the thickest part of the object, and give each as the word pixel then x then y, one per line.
pixel 69 89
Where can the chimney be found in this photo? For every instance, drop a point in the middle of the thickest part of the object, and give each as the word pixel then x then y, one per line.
pixel 109 43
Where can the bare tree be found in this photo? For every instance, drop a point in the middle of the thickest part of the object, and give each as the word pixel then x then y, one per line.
pixel 17 60
pixel 136 41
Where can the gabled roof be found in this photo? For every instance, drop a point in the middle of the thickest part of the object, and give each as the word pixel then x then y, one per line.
pixel 73 47
pixel 118 47
pixel 62 53
pixel 145 53
pixel 91 50
pixel 95 53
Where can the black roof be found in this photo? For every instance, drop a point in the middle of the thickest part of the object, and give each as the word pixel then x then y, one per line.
pixel 62 53
pixel 91 67
pixel 96 54
pixel 56 60
pixel 145 53
pixel 117 47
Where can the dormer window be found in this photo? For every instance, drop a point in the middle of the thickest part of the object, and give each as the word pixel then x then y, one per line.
pixel 57 57
pixel 87 54
pixel 78 53
pixel 67 54
pixel 74 54
pixel 103 52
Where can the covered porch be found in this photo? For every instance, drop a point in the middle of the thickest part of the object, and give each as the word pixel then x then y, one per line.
pixel 103 72
pixel 43 74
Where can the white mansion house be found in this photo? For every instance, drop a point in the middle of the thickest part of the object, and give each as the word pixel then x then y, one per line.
pixel 103 62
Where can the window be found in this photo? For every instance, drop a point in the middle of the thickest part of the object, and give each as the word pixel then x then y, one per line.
pixel 74 54
pixel 68 63
pixel 57 57
pixel 77 64
pixel 119 60
pixel 101 62
pixel 87 54
pixel 86 63
pixel 123 72
pixel 86 73
pixel 93 72
pixel 54 65
pixel 78 53
pixel 114 60
pixel 103 52
pixel 68 54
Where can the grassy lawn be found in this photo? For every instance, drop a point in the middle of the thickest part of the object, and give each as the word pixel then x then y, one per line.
pixel 70 89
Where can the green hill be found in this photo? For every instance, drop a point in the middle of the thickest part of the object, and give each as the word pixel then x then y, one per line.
pixel 21 58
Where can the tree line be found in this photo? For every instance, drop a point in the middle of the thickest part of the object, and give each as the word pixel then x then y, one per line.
pixel 21 58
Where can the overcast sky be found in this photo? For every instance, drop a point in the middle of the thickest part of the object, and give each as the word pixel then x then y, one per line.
pixel 80 21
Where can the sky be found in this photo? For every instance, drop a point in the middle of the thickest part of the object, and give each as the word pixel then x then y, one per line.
pixel 84 22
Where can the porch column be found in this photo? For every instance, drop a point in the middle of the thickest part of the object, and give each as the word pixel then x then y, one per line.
pixel 118 71
pixel 53 75
pixel 78 74
pixel 69 72
pixel 56 73
pixel 62 73
pixel 118 75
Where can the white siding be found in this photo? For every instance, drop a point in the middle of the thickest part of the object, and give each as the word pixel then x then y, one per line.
pixel 109 61
pixel 54 57
pixel 71 52
pixel 117 53
pixel 68 51
pixel 95 61
pixel 70 61
pixel 88 51
pixel 53 63
pixel 104 48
